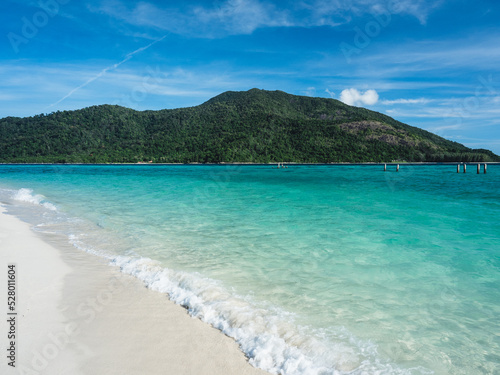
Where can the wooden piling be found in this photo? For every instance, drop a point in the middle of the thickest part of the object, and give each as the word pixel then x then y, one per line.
pixel 478 168
pixel 465 168
pixel 385 167
pixel 397 168
pixel 458 168
pixel 484 167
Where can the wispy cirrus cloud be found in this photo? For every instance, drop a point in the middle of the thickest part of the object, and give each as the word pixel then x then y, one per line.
pixel 448 108
pixel 104 71
pixel 477 51
pixel 420 9
pixel 227 18
pixel 236 17
pixel 405 101
pixel 135 85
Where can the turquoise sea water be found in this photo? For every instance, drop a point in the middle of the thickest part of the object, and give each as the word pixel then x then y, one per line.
pixel 312 269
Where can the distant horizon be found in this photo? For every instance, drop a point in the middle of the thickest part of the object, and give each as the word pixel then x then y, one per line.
pixel 437 163
pixel 429 64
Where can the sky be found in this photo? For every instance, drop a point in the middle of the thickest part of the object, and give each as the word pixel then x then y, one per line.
pixel 431 64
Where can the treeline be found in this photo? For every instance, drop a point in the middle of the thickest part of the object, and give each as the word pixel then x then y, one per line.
pixel 252 126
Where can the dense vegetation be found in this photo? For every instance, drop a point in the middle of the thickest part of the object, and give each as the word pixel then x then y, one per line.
pixel 251 126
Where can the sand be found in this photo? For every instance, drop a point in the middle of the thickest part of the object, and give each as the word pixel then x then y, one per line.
pixel 77 315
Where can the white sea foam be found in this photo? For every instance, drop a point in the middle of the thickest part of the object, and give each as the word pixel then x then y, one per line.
pixel 77 242
pixel 26 195
pixel 267 336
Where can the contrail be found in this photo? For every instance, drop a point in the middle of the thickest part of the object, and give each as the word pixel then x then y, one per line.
pixel 105 70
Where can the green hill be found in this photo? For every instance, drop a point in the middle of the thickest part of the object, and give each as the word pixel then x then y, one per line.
pixel 251 126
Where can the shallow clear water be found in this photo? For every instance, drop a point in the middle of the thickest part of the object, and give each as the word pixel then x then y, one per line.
pixel 312 269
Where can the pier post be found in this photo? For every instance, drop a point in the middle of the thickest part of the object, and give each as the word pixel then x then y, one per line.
pixel 385 167
pixel 478 168
pixel 484 167
pixel 458 168
pixel 397 168
pixel 465 168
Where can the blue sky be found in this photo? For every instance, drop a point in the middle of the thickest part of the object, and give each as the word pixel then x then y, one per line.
pixel 431 64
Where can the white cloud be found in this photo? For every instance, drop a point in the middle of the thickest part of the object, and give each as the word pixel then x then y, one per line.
pixel 231 17
pixel 242 16
pixel 4 97
pixel 417 8
pixel 139 87
pixel 311 91
pixel 477 51
pixel 236 17
pixel 354 97
pixel 439 129
pixel 345 9
pixel 405 101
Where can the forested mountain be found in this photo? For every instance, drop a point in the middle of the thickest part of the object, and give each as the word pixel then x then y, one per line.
pixel 251 126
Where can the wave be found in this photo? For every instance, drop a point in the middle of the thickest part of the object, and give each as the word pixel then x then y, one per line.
pixel 267 335
pixel 26 195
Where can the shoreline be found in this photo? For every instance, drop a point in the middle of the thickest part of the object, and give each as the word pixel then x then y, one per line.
pixel 266 164
pixel 78 315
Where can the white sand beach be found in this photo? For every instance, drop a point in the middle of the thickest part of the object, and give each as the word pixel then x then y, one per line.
pixel 77 315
